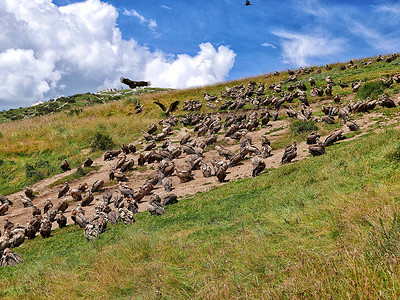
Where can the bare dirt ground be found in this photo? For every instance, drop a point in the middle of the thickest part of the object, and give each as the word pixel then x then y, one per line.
pixel 21 215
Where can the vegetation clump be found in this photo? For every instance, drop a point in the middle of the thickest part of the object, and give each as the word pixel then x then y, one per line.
pixel 37 169
pixel 301 127
pixel 371 89
pixel 102 139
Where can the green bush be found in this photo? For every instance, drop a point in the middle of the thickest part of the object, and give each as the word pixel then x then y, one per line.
pixel 75 112
pixel 394 155
pixel 37 170
pixel 300 127
pixel 102 139
pixel 371 89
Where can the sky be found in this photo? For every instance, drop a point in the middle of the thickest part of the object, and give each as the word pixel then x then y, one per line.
pixel 51 48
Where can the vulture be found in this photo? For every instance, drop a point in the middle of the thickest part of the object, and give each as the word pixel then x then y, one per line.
pixel 3 209
pixel 184 175
pixel 167 184
pixel 343 84
pixel 169 199
pixel 173 106
pixel 352 126
pixel 336 99
pixel 155 207
pixel 29 193
pixel 258 165
pixel 62 206
pixel 317 149
pixel 63 190
pixel 87 199
pixel 333 137
pixel 97 186
pixel 152 129
pixel 247 3
pixel 61 220
pixel 26 202
pixel 65 166
pixel 10 258
pixel 313 137
pixel 45 229
pixel 88 162
pixel 134 84
pixel 4 199
pixel 290 153
pixel 356 86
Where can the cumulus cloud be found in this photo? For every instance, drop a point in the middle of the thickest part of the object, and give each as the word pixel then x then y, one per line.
pixel 298 49
pixel 46 50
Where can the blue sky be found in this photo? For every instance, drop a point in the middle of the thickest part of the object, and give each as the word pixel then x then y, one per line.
pixel 62 47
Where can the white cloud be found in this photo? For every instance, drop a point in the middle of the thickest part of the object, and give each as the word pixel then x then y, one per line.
pixel 299 49
pixel 133 13
pixel 379 41
pixel 47 50
pixel 166 7
pixel 393 9
pixel 268 45
pixel 208 66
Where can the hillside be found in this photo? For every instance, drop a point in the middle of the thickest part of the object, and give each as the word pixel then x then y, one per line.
pixel 318 226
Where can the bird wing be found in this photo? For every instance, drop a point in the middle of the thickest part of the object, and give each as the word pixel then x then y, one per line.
pixel 161 105
pixel 174 106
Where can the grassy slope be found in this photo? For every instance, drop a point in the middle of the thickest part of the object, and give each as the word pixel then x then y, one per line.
pixel 310 229
pixel 48 140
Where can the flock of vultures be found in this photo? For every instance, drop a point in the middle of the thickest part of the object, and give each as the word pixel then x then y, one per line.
pixel 228 121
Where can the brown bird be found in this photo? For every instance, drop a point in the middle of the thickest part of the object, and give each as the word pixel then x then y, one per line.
pixel 173 106
pixel 184 175
pixel 247 3
pixel 29 193
pixel 259 166
pixel 88 162
pixel 87 199
pixel 313 137
pixel 317 150
pixel 65 166
pixel 3 209
pixel 97 186
pixel 290 153
pixel 61 220
pixel 62 206
pixel 76 195
pixel 45 229
pixel 63 190
pixel 26 202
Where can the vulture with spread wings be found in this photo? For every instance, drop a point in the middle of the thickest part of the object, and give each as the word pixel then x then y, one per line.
pixel 173 106
pixel 134 84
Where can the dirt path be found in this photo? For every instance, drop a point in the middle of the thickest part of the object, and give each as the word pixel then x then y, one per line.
pixel 21 215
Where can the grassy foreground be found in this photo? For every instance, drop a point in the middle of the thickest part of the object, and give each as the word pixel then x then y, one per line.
pixel 319 228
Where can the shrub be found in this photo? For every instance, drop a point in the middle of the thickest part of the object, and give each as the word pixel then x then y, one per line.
pixel 37 170
pixel 1 134
pixel 300 127
pixel 74 112
pixel 371 89
pixel 394 155
pixel 102 139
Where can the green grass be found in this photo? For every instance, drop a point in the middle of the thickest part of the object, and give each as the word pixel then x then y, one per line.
pixel 322 226
pixel 80 172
